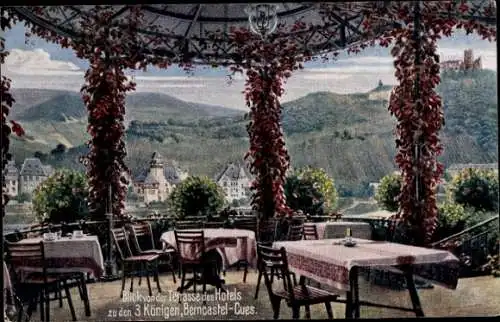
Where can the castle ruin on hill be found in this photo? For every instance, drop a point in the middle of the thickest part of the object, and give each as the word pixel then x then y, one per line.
pixel 468 63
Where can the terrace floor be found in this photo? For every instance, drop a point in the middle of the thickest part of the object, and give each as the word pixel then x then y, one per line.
pixel 479 296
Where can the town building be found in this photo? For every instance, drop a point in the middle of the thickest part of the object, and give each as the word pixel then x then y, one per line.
pixel 26 180
pixel 32 173
pixel 157 182
pixel 11 179
pixel 235 179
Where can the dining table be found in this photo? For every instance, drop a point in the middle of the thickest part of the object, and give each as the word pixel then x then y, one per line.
pixel 233 245
pixel 330 262
pixel 80 255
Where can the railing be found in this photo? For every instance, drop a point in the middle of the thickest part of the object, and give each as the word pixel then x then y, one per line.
pixel 482 224
pixel 473 245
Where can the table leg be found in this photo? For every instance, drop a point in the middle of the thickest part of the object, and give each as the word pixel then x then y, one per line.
pixel 415 300
pixel 352 297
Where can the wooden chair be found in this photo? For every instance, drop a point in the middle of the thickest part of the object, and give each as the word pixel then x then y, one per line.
pixel 191 253
pixel 294 295
pixel 310 232
pixel 144 243
pixel 188 224
pixel 37 284
pixel 295 232
pixel 213 224
pixel 148 263
pixel 267 230
pixel 245 223
pixel 272 271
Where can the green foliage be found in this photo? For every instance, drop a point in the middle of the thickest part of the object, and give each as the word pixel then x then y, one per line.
pixel 196 196
pixel 475 188
pixel 388 192
pixel 61 197
pixel 451 220
pixel 323 183
pixel 303 194
pixel 23 197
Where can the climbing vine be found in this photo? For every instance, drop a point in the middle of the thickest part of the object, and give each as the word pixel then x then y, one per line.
pixel 6 102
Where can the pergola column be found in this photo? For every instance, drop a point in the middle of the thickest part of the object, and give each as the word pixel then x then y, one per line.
pixel 6 102
pixel 268 61
pixel 109 50
pixel 418 110
pixel 270 159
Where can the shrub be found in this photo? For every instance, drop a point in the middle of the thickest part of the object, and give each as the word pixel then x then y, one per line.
pixel 196 196
pixel 61 197
pixel 475 188
pixel 451 220
pixel 323 183
pixel 388 192
pixel 303 194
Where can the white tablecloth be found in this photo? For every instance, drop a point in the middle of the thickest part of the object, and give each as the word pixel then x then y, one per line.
pixel 232 244
pixel 69 255
pixel 337 229
pixel 329 262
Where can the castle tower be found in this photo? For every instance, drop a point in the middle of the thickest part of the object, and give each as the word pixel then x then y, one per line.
pixel 468 59
pixel 156 166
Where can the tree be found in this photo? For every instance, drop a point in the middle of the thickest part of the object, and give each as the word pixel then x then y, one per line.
pixel 475 188
pixel 388 192
pixel 62 197
pixel 196 196
pixel 324 184
pixel 303 194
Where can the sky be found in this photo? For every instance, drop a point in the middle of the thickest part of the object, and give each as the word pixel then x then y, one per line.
pixel 35 63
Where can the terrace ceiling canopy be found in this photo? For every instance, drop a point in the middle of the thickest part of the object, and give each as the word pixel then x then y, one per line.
pixel 114 38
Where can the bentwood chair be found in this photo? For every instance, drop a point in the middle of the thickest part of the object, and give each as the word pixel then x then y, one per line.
pixel 132 265
pixel 36 285
pixel 144 243
pixel 295 296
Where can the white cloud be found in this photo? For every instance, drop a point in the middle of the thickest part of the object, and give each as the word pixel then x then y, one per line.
pixel 38 62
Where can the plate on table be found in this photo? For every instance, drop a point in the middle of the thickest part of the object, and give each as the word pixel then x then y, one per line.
pixel 350 243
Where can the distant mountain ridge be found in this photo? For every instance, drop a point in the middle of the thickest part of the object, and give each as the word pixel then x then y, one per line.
pixel 59 106
pixel 349 135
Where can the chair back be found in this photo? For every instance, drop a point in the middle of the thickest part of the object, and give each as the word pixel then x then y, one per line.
pixel 295 232
pixel 121 240
pixel 246 223
pixel 25 254
pixel 267 258
pixel 190 245
pixel 267 230
pixel 142 236
pixel 214 224
pixel 188 224
pixel 310 232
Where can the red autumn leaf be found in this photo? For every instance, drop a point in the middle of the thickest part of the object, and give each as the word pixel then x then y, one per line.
pixel 17 128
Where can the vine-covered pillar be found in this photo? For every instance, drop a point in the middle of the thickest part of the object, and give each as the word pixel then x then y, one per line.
pixel 270 159
pixel 417 108
pixel 109 50
pixel 268 62
pixel 6 102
